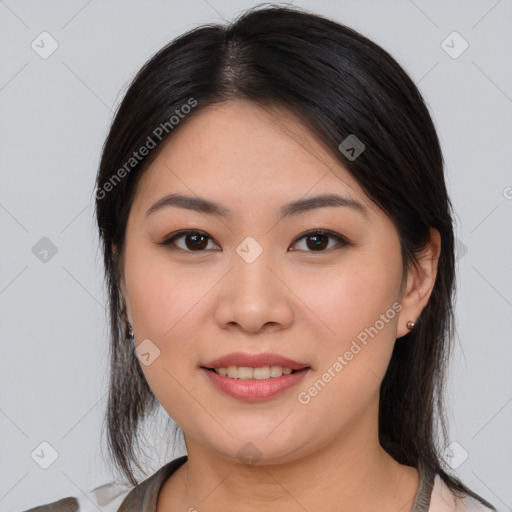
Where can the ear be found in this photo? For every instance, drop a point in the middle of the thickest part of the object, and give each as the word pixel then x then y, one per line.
pixel 420 283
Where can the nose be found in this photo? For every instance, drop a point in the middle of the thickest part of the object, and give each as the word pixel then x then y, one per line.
pixel 254 297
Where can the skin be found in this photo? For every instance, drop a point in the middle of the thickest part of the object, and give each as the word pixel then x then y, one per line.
pixel 304 304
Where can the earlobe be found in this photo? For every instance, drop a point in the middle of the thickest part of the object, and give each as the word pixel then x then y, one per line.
pixel 421 279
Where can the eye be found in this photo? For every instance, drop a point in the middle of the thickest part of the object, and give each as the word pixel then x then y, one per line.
pixel 318 240
pixel 197 241
pixel 194 241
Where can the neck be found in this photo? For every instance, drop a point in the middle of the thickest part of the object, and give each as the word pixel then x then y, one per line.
pixel 353 473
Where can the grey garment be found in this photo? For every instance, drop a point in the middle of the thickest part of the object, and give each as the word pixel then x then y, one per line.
pixel 143 497
pixel 63 505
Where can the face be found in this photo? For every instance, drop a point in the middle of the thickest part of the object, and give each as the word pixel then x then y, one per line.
pixel 318 284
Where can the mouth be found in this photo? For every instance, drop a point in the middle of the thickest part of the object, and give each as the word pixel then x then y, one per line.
pixel 250 373
pixel 251 377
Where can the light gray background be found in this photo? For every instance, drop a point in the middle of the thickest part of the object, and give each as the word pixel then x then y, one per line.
pixel 54 115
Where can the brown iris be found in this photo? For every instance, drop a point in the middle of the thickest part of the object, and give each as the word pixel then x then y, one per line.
pixel 320 242
pixel 198 241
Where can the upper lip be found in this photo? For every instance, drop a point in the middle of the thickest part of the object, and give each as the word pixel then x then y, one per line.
pixel 254 361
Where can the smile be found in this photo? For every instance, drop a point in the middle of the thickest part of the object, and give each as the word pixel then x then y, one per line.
pixel 254 385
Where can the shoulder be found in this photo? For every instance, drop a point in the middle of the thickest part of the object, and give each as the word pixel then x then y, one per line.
pixel 106 498
pixel 444 500
pixel 64 505
pixel 146 493
pixel 114 497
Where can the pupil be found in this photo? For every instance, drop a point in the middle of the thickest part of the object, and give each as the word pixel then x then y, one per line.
pixel 318 244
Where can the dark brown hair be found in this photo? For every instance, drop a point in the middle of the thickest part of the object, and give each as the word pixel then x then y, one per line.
pixel 340 83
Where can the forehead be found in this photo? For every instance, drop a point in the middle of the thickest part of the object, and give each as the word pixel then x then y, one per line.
pixel 238 152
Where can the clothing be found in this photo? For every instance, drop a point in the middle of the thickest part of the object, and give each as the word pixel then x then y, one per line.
pixel 432 495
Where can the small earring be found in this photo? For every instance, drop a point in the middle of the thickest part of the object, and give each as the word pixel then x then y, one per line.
pixel 130 330
pixel 410 325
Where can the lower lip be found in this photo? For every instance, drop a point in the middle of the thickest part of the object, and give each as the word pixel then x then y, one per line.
pixel 254 389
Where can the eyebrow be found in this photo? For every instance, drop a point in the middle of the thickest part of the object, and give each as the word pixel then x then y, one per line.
pixel 295 207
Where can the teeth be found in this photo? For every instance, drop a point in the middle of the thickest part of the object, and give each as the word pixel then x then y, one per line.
pixel 245 372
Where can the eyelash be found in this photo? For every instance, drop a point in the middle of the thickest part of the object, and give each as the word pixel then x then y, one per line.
pixel 170 240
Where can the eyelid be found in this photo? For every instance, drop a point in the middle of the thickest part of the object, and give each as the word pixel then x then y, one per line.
pixel 342 241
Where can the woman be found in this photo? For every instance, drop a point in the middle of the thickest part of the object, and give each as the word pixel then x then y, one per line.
pixel 278 248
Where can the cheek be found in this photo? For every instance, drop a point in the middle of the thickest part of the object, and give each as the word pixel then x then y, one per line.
pixel 351 298
pixel 162 296
pixel 358 308
pixel 165 307
pixel 361 314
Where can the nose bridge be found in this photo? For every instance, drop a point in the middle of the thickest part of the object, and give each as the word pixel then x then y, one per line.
pixel 252 277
